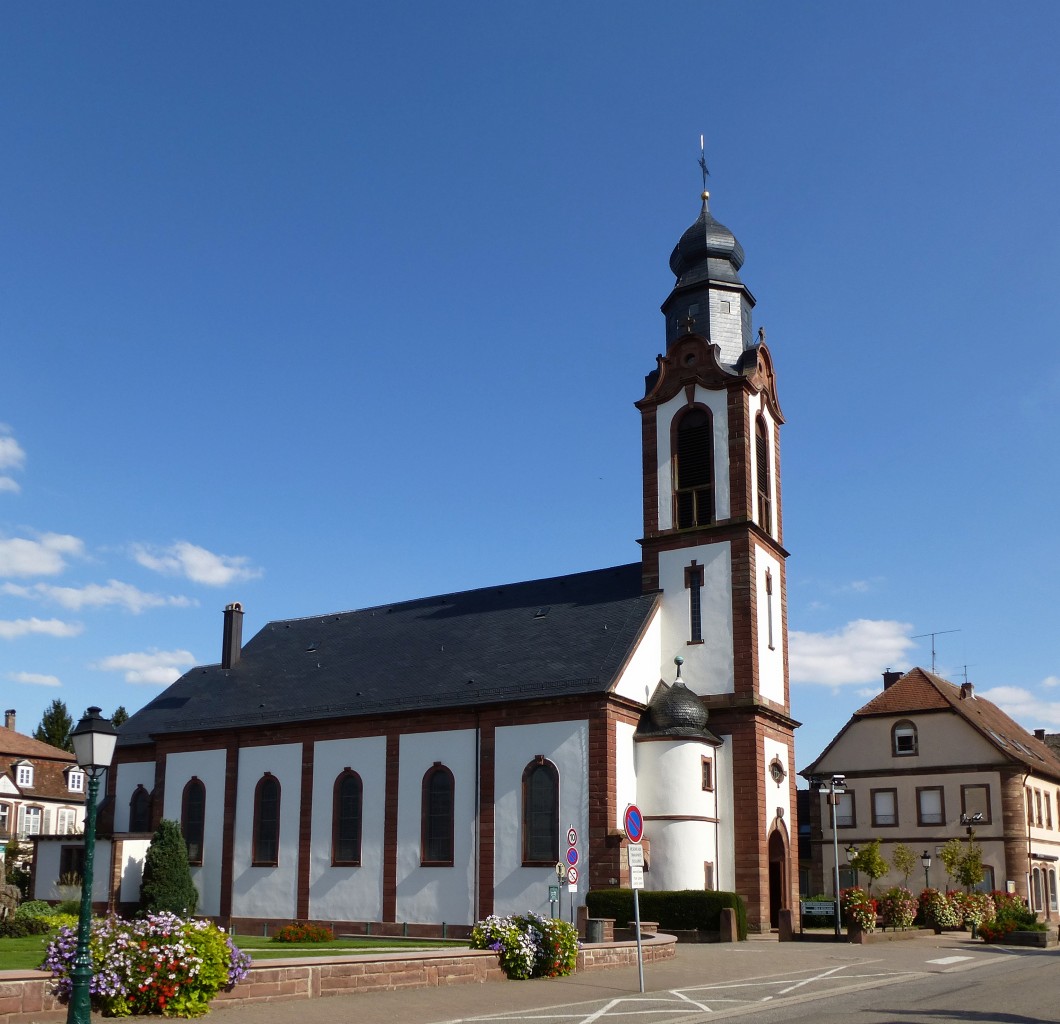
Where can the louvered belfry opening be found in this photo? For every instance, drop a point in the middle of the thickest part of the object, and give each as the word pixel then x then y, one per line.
pixel 694 470
pixel 765 504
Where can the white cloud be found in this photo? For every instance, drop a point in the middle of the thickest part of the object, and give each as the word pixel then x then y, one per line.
pixel 34 678
pixel 46 556
pixel 1030 711
pixel 11 457
pixel 1050 681
pixel 95 595
pixel 196 563
pixel 159 667
pixel 857 653
pixel 12 628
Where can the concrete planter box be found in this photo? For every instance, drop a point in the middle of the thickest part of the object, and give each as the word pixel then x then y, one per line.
pixel 1036 940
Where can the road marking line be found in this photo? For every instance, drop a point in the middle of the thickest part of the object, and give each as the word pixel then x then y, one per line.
pixel 806 981
pixel 951 959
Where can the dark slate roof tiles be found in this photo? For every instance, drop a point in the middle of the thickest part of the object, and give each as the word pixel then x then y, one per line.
pixel 541 639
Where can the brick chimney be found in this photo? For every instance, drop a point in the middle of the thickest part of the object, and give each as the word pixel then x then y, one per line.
pixel 890 678
pixel 966 690
pixel 232 641
pixel 1039 734
pixel 9 719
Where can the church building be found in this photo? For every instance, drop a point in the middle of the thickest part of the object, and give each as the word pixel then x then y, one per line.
pixel 431 761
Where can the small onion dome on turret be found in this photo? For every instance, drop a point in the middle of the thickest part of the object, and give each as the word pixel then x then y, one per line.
pixel 675 711
pixel 708 250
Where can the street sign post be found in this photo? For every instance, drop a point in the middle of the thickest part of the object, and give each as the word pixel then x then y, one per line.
pixel 633 823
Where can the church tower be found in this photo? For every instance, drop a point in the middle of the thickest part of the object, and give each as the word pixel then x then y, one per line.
pixel 713 547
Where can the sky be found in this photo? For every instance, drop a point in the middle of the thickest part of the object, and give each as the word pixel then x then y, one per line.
pixel 323 305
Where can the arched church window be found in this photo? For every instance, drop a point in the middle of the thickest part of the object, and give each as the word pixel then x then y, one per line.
pixel 346 819
pixel 267 821
pixel 693 468
pixel 140 810
pixel 765 489
pixel 193 818
pixel 540 812
pixel 437 816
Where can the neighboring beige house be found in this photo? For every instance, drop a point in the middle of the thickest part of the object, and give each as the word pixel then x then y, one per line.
pixel 42 791
pixel 927 761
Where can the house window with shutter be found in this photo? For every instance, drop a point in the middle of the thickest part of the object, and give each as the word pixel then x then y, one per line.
pixel 884 808
pixel 693 468
pixel 930 807
pixel 24 775
pixel 904 739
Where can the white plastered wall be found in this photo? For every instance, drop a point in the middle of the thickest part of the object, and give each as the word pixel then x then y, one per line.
pixel 209 767
pixel 130 775
pixel 671 797
pixel 717 402
pixel 726 813
pixel 641 675
pixel 348 893
pixel 436 893
pixel 626 791
pixel 267 891
pixel 708 666
pixel 566 744
pixel 770 661
pixel 133 854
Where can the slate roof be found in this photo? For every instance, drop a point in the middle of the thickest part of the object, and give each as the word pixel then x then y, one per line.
pixel 558 637
pixel 920 691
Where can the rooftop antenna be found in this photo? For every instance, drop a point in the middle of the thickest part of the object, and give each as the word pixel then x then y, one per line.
pixel 703 164
pixel 938 632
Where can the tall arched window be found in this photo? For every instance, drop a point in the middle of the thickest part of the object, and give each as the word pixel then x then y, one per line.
pixel 193 818
pixel 693 468
pixel 267 821
pixel 346 819
pixel 540 812
pixel 436 832
pixel 765 489
pixel 140 810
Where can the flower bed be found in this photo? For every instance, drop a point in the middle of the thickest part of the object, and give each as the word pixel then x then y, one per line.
pixel 163 964
pixel 858 909
pixel 530 946
pixel 899 907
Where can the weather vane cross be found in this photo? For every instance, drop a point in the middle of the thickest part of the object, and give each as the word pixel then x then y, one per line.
pixel 703 161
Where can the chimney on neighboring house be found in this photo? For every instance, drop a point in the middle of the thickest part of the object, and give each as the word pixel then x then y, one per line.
pixel 890 678
pixel 966 690
pixel 9 719
pixel 1039 734
pixel 232 642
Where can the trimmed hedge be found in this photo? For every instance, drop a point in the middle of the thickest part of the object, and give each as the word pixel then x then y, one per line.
pixel 682 909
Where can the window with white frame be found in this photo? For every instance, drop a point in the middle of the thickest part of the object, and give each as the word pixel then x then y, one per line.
pixel 844 810
pixel 66 822
pixel 930 807
pixel 884 808
pixel 29 820
pixel 75 780
pixel 904 739
pixel 5 819
pixel 24 775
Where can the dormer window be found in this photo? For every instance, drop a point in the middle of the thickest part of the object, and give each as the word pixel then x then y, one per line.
pixel 24 774
pixel 75 780
pixel 904 739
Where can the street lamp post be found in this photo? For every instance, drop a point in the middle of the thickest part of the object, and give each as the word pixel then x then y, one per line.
pixel 852 852
pixel 925 859
pixel 837 785
pixel 94 740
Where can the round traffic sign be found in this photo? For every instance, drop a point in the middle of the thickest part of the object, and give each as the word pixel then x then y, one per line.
pixel 572 836
pixel 633 823
pixel 572 855
pixel 572 875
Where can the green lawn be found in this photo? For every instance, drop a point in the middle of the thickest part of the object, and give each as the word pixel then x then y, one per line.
pixel 27 953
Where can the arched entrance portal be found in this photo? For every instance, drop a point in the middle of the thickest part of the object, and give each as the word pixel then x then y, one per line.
pixel 779 883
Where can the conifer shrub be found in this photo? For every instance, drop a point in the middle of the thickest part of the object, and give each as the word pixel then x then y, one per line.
pixel 167 886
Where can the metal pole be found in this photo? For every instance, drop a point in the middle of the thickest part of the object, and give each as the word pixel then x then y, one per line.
pixel 640 949
pixel 80 1009
pixel 835 841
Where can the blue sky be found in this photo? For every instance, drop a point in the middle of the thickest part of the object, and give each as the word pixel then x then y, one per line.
pixel 321 305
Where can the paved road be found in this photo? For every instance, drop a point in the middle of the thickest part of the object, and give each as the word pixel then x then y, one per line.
pixel 906 982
